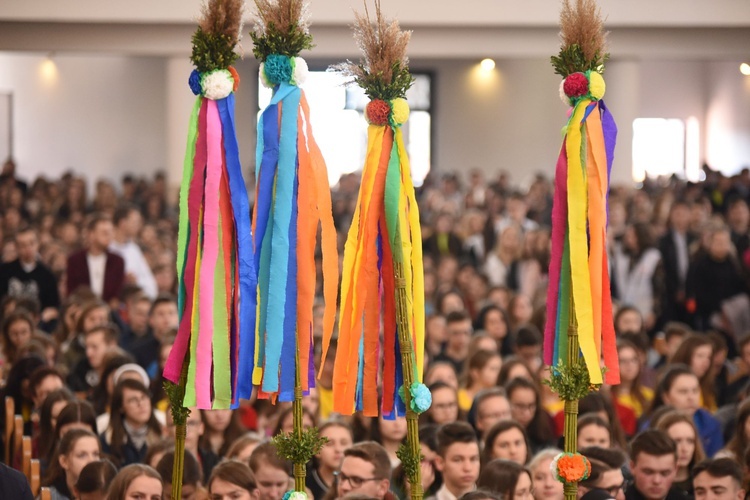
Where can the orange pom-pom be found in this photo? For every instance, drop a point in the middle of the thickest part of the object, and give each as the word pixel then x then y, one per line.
pixel 235 77
pixel 573 468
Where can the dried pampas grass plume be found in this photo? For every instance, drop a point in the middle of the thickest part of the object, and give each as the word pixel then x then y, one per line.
pixel 283 15
pixel 581 24
pixel 384 72
pixel 222 17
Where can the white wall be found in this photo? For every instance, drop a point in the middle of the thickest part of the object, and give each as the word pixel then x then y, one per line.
pixel 98 115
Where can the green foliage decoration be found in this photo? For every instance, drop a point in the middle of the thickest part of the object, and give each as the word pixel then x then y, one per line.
pixel 376 87
pixel 571 382
pixel 409 462
pixel 212 51
pixel 273 41
pixel 176 393
pixel 572 60
pixel 299 449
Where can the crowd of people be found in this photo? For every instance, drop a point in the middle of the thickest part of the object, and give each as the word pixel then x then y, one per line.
pixel 89 315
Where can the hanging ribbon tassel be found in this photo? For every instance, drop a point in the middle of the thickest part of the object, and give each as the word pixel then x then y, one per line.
pixel 579 269
pixel 385 234
pixel 214 271
pixel 292 201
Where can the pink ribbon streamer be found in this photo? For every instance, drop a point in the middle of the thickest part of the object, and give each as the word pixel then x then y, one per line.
pixel 210 256
pixel 559 220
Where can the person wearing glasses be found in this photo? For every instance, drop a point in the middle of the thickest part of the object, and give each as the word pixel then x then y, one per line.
pixel 606 472
pixel 133 426
pixel 365 470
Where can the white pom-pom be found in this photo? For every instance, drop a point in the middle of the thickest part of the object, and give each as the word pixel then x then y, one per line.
pixel 563 97
pixel 217 84
pixel 301 72
pixel 263 78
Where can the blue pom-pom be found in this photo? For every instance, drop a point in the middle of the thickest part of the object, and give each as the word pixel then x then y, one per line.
pixel 278 69
pixel 195 82
pixel 287 495
pixel 421 399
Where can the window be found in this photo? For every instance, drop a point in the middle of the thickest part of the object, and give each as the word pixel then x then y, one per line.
pixel 341 130
pixel 658 148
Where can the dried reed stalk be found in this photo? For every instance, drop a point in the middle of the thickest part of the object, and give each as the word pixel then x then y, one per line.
pixel 581 24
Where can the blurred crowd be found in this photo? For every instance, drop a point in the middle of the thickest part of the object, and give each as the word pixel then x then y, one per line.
pixel 89 314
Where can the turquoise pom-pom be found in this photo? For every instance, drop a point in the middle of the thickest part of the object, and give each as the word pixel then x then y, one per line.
pixel 294 495
pixel 421 398
pixel 278 69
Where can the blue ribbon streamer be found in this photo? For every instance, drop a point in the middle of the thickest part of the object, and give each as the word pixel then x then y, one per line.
pixel 289 348
pixel 247 273
pixel 280 244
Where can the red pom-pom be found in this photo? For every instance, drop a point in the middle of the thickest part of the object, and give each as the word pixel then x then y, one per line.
pixel 236 78
pixel 576 85
pixel 377 112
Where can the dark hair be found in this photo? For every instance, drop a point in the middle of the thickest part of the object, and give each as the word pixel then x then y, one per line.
pixel 374 453
pixel 240 443
pixel 500 428
pixel 96 477
pixel 665 384
pixel 20 373
pixel 38 375
pixel 191 469
pixel 74 412
pixel 539 429
pixel 9 349
pixel 652 442
pixel 477 361
pixel 501 476
pixel 599 402
pixel 55 472
pixel 162 298
pixel 266 454
pixel 684 354
pixel 593 419
pixel 528 335
pixel 741 440
pixel 284 415
pixel 720 467
pixel 455 432
pixel 157 448
pixel 622 311
pixel 117 415
pixel 234 472
pixel 602 460
pixel 95 219
pixel 86 309
pixel 456 317
pixel 121 483
pixel 46 440
pixel 233 431
pixel 123 212
pixel 508 365
pixel 479 399
pixel 111 332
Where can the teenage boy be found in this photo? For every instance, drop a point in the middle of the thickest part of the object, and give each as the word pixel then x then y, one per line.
pixel 606 472
pixel 458 325
pixel 457 459
pixel 365 470
pixel 191 476
pixel 653 461
pixel 98 341
pixel 718 479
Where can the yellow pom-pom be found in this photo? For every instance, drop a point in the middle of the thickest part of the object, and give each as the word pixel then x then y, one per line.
pixel 400 111
pixel 596 85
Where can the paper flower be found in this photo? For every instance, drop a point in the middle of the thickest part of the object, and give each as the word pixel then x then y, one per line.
pixel 301 72
pixel 421 398
pixel 570 467
pixel 596 85
pixel 377 112
pixel 235 77
pixel 564 98
pixel 576 85
pixel 217 84
pixel 294 495
pixel 278 69
pixel 400 111
pixel 263 78
pixel 195 82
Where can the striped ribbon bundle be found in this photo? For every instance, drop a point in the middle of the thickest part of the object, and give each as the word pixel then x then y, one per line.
pixel 579 286
pixel 292 198
pixel 215 269
pixel 385 233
